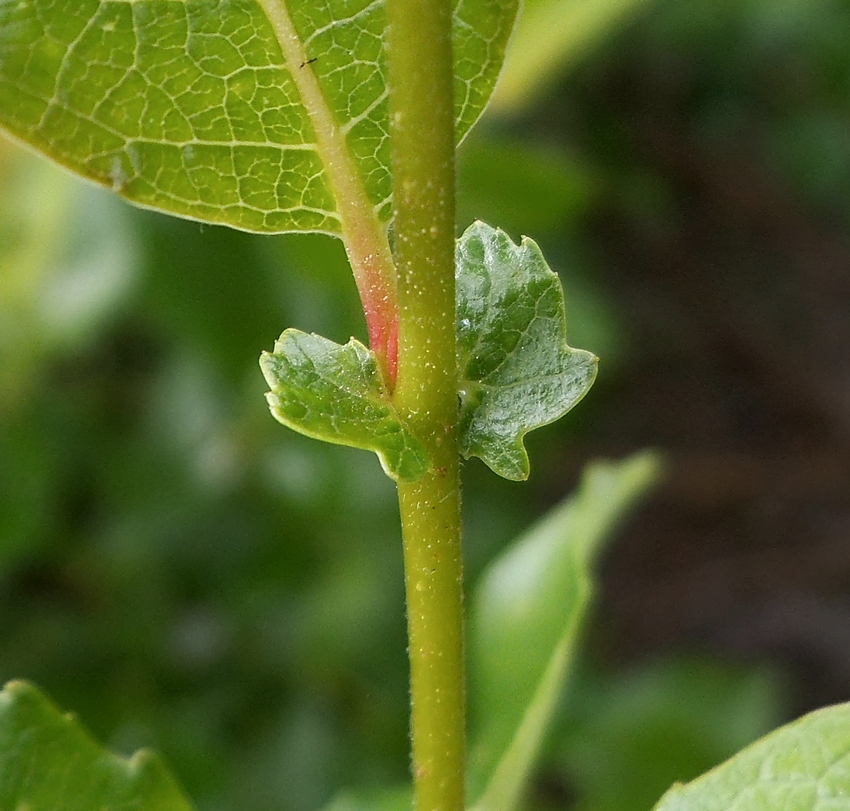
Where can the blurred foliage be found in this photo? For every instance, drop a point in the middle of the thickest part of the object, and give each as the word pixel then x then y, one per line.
pixel 533 598
pixel 769 76
pixel 552 36
pixel 623 739
pixel 185 574
pixel 526 616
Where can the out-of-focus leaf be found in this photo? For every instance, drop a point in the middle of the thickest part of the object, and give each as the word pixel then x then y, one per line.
pixel 525 617
pixel 48 763
pixel 550 36
pixel 337 394
pixel 67 262
pixel 517 372
pixel 804 766
pixel 389 800
pixel 266 115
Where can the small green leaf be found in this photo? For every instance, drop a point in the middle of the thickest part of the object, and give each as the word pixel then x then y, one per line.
pixel 337 394
pixel 266 115
pixel 517 372
pixel 803 766
pixel 48 763
pixel 525 617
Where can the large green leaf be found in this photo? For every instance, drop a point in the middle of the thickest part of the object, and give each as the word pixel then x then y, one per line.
pixel 517 372
pixel 804 766
pixel 525 617
pixel 47 762
pixel 337 394
pixel 266 115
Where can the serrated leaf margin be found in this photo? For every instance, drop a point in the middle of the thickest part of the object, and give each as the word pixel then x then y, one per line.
pixel 409 464
pixel 501 446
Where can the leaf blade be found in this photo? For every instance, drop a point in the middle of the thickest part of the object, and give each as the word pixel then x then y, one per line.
pixel 264 115
pixel 48 762
pixel 395 799
pixel 517 371
pixel 336 393
pixel 800 767
pixel 524 621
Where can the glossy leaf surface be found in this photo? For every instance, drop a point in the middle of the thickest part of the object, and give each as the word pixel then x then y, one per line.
pixel 525 617
pixel 517 372
pixel 336 394
pixel 266 115
pixel 803 766
pixel 47 762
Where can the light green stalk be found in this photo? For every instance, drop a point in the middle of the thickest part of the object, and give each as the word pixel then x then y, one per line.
pixel 422 130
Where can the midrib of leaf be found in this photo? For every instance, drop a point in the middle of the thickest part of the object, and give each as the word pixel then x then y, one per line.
pixel 364 237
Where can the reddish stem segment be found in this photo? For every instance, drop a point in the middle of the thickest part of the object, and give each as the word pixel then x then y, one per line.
pixel 381 311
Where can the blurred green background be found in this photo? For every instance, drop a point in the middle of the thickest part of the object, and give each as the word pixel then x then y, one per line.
pixel 184 573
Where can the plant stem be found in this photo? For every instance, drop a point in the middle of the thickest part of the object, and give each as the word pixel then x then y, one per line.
pixel 422 135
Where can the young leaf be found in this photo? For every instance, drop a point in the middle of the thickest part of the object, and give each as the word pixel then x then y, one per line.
pixel 337 394
pixel 525 616
pixel 47 762
pixel 804 766
pixel 517 372
pixel 266 115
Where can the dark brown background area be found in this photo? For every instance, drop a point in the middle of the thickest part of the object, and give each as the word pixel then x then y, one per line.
pixel 733 278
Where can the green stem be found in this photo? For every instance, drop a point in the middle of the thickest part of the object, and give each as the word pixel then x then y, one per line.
pixel 422 135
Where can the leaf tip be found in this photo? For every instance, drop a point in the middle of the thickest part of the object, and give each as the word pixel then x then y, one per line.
pixel 516 467
pixel 19 690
